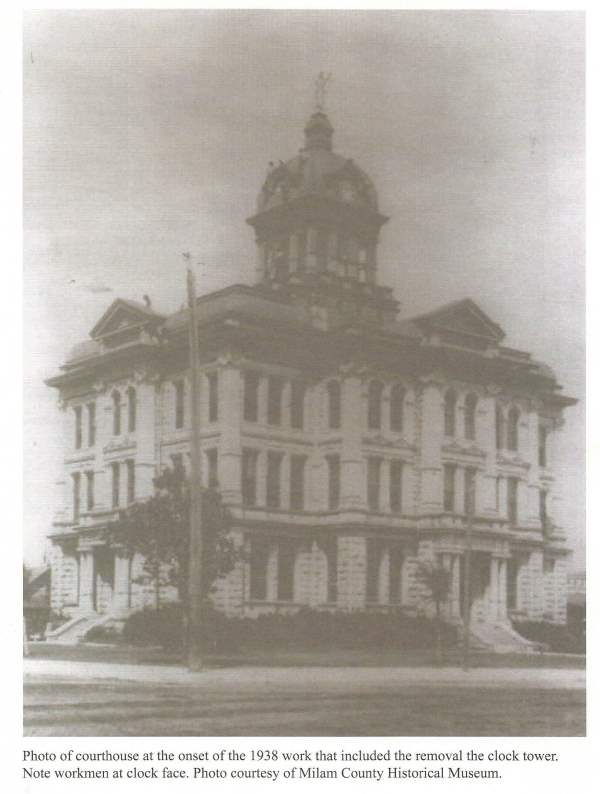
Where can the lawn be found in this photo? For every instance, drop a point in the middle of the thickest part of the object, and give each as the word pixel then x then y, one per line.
pixel 124 654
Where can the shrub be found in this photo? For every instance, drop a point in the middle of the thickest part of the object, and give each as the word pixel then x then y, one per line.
pixel 555 637
pixel 306 629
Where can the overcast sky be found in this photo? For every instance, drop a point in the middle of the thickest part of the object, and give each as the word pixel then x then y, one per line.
pixel 148 133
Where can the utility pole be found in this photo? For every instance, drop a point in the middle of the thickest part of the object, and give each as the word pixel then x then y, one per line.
pixel 195 645
pixel 467 576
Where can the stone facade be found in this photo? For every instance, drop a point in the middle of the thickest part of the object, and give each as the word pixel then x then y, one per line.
pixel 350 447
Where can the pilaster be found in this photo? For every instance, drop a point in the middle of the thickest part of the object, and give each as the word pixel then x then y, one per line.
pixel 352 486
pixel 230 453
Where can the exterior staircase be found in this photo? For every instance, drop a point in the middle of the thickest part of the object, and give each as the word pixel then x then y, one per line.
pixel 74 630
pixel 499 637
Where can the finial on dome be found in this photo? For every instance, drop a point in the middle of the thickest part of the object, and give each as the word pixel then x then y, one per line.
pixel 321 90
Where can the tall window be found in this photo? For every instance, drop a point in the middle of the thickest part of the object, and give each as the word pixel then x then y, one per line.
pixel 449 487
pixel 397 408
pixel 286 558
pixel 91 414
pixel 89 479
pixel 333 466
pixel 470 491
pixel 512 503
pixel 274 479
pixel 396 469
pixel 543 508
pixel 259 558
pixel 251 396
pixel 213 396
pixel 500 427
pixel 297 407
pixel 374 405
pixel 212 463
pixel 130 481
pixel 331 555
pixel 116 404
pixel 177 461
pixel 396 565
pixel 131 409
pixel 116 485
pixel 78 427
pixel 179 387
pixel 512 436
pixel 470 415
pixel 297 466
pixel 373 565
pixel 76 496
pixel 373 482
pixel 274 395
pixel 498 482
pixel 450 413
pixel 542 443
pixel 334 404
pixel 249 464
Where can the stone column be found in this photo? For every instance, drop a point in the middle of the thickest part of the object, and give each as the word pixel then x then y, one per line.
pixel 262 399
pixel 486 439
pixel 121 602
pixel 502 589
pixel 284 482
pixel 383 588
pixel 286 404
pixel 459 490
pixel 352 485
pixel 384 486
pixel 86 580
pixel 431 433
pixel 455 586
pixel 494 589
pixel 230 453
pixel 261 479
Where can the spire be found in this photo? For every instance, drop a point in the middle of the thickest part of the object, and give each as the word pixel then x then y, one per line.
pixel 318 131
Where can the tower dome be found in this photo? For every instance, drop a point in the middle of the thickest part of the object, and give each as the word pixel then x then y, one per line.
pixel 317 213
pixel 317 170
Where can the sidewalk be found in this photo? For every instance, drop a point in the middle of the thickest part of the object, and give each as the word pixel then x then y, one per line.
pixel 302 678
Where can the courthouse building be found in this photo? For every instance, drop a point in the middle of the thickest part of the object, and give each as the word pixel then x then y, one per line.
pixel 348 443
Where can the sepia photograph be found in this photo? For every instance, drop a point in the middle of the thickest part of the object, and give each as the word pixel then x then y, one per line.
pixel 304 361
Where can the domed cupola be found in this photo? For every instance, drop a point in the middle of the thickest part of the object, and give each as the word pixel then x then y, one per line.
pixel 317 213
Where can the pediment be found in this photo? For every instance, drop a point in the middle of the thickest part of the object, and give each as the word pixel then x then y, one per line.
pixel 122 315
pixel 464 318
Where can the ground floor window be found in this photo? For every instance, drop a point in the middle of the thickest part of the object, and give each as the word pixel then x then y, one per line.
pixel 259 558
pixel 286 559
pixel 396 564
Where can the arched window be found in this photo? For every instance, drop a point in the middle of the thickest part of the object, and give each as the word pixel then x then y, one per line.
pixel 116 401
pixel 512 436
pixel 470 409
pixel 397 408
pixel 131 409
pixel 450 413
pixel 374 405
pixel 334 400
pixel 500 427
